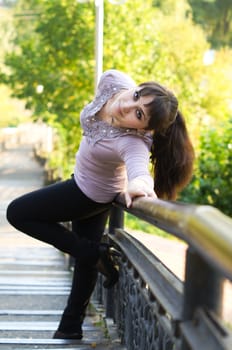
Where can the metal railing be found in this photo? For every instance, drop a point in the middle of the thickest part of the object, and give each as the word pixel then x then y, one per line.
pixel 151 308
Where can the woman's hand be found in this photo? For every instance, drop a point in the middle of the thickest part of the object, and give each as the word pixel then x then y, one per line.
pixel 138 188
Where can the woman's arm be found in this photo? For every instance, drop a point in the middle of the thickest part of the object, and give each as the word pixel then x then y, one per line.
pixel 135 153
pixel 138 187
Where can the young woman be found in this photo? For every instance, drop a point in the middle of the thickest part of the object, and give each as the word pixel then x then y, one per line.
pixel 125 127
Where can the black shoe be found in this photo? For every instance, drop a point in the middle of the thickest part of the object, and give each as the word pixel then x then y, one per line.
pixel 61 335
pixel 107 266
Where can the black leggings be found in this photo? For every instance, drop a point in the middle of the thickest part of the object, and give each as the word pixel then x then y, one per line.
pixel 40 214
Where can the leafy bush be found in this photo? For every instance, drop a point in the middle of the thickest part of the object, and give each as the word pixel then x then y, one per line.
pixel 137 224
pixel 212 183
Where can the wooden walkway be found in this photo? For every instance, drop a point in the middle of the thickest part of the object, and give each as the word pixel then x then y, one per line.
pixel 34 277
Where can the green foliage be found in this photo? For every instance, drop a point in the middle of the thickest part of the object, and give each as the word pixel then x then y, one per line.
pixel 216 87
pixel 156 46
pixel 172 7
pixel 56 56
pixel 12 110
pixel 212 183
pixel 137 224
pixel 215 16
pixel 54 40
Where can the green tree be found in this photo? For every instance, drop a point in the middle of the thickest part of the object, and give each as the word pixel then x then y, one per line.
pixel 157 46
pixel 12 110
pixel 212 182
pixel 173 7
pixel 215 16
pixel 52 65
pixel 216 87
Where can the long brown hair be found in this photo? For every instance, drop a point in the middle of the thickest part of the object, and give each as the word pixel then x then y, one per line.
pixel 172 153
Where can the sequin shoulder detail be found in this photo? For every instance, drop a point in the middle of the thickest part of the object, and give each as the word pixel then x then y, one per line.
pixel 95 129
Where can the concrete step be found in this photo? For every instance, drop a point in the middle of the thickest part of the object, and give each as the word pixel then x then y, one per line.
pixel 32 302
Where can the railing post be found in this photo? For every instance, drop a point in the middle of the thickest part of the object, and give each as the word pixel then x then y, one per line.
pixel 202 288
pixel 116 221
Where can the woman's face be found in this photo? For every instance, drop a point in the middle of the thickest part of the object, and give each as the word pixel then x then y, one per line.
pixel 127 109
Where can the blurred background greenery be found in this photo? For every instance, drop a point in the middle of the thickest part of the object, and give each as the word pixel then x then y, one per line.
pixel 47 73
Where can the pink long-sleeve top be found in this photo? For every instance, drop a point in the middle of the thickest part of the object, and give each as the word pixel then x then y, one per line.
pixel 109 156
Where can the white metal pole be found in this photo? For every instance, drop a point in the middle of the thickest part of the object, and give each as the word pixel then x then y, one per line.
pixel 99 9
